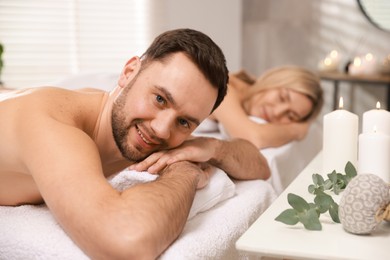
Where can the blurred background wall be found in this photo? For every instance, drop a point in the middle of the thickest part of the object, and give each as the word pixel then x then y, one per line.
pixel 302 32
pixel 46 39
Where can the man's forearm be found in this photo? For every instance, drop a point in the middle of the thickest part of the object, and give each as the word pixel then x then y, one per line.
pixel 240 159
pixel 163 206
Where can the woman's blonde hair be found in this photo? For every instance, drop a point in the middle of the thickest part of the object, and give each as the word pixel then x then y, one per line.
pixel 295 78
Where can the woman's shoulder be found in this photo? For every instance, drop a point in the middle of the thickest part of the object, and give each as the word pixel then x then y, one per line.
pixel 238 84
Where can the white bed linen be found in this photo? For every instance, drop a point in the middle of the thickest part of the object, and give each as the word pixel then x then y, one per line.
pixel 31 232
pixel 212 234
pixel 286 161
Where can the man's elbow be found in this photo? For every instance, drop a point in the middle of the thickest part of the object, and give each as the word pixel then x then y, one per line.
pixel 126 245
pixel 135 249
pixel 264 166
pixel 265 172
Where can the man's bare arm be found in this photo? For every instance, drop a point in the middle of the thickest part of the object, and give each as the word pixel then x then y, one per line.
pixel 239 158
pixel 139 223
pixel 161 208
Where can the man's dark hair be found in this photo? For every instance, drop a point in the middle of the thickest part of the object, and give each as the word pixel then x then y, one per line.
pixel 205 54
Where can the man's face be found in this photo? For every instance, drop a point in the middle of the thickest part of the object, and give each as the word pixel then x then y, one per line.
pixel 160 107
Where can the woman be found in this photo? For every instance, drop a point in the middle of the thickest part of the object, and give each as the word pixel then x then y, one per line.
pixel 287 98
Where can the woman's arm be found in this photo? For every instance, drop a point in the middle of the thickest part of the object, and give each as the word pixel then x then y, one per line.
pixel 238 125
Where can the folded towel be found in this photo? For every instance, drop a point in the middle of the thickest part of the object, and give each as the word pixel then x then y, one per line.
pixel 219 188
pixel 31 232
pixel 212 234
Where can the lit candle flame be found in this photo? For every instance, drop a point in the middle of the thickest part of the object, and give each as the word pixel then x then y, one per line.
pixel 374 129
pixel 334 54
pixel 378 105
pixel 357 61
pixel 341 103
pixel 327 61
pixel 369 56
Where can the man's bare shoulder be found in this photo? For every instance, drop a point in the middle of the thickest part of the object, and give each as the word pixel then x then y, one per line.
pixel 28 114
pixel 58 103
pixel 47 125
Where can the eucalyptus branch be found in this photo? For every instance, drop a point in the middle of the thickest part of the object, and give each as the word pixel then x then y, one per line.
pixel 309 213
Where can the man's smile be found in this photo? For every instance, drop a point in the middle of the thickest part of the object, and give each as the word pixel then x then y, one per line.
pixel 142 136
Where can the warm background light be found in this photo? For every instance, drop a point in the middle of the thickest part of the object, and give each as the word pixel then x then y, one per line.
pixel 341 103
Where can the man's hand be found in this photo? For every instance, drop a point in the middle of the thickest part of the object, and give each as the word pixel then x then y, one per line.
pixel 239 158
pixel 197 149
pixel 205 176
pixel 204 171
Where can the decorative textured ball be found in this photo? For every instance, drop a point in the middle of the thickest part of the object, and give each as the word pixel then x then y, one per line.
pixel 361 199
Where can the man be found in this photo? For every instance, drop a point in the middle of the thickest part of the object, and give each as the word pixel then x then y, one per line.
pixel 58 146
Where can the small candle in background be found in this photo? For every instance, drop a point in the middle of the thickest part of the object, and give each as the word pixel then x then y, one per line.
pixel 374 154
pixel 331 62
pixel 340 139
pixel 384 66
pixel 335 57
pixel 356 68
pixel 369 64
pixel 378 118
pixel 363 65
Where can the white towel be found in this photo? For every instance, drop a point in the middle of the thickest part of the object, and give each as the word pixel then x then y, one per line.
pixel 219 188
pixel 31 232
pixel 212 234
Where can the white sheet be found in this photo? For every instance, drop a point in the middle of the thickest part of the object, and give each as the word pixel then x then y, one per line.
pixel 31 232
pixel 212 234
pixel 220 188
pixel 286 161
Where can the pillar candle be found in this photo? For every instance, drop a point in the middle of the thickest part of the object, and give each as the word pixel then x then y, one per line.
pixel 340 139
pixel 374 153
pixel 378 118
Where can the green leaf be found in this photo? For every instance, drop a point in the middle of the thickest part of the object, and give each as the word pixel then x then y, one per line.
pixel 350 170
pixel 333 177
pixel 311 188
pixel 319 190
pixel 334 212
pixel 297 202
pixel 310 220
pixel 328 184
pixel 317 179
pixel 288 217
pixel 323 202
pixel 315 207
pixel 337 189
pixel 341 180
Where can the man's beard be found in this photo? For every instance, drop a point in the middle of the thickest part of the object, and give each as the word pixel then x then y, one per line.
pixel 120 129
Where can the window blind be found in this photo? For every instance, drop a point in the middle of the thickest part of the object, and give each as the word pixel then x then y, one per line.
pixel 45 40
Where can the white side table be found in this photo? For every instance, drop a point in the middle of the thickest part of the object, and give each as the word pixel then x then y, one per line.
pixel 267 237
